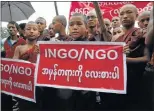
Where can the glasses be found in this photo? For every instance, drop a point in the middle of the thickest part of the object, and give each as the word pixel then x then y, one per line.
pixel 92 17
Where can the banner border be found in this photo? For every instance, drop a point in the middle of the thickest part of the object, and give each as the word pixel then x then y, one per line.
pixel 87 89
pixel 81 42
pixel 16 60
pixel 85 43
pixel 19 96
pixel 16 95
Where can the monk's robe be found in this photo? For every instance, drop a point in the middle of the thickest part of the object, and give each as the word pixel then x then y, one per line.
pixel 152 60
pixel 148 82
pixel 24 105
pixel 94 37
pixel 30 55
pixel 63 38
pixel 10 48
pixel 99 36
pixel 44 37
pixel 134 38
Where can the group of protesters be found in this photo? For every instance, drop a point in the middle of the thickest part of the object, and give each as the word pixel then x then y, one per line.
pixel 139 50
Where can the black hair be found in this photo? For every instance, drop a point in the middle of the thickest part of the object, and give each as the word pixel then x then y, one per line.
pixel 14 23
pixel 22 26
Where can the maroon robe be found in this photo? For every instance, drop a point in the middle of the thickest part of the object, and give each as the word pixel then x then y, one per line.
pixel 24 105
pixel 135 39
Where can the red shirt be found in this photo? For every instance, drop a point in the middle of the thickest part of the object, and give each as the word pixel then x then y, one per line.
pixel 10 48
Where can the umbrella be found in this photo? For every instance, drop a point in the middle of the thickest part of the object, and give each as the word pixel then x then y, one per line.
pixel 15 11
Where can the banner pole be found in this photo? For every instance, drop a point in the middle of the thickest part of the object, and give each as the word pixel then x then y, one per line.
pixel 56 9
pixel 101 21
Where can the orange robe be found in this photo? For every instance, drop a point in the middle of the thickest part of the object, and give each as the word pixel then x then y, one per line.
pixel 30 55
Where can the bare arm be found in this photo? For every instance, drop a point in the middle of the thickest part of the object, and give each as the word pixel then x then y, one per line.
pixel 16 53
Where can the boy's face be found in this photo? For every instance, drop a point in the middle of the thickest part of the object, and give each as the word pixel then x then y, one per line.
pixel 41 24
pixel 32 31
pixel 92 20
pixel 143 21
pixel 51 31
pixel 127 16
pixel 77 27
pixel 115 22
pixel 107 24
pixel 56 25
pixel 118 31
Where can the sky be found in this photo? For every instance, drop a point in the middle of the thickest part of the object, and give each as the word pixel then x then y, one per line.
pixel 46 10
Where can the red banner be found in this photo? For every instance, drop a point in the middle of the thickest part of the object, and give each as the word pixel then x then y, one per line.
pixel 109 9
pixel 17 78
pixel 82 66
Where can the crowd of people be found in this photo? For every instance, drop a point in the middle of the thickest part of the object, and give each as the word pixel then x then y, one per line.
pixel 21 44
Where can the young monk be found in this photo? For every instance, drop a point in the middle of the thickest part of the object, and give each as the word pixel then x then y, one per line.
pixel 117 32
pixel 143 19
pixel 107 23
pixel 84 100
pixel 115 22
pixel 29 53
pixel 78 27
pixel 59 25
pixel 42 25
pixel 136 59
pixel 51 32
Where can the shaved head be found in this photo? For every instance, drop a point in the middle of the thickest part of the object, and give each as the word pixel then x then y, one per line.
pixel 31 23
pixel 128 15
pixel 115 17
pixel 92 12
pixel 106 20
pixel 107 23
pixel 115 22
pixel 40 19
pixel 143 19
pixel 61 19
pixel 32 31
pixel 41 23
pixel 146 13
pixel 130 6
